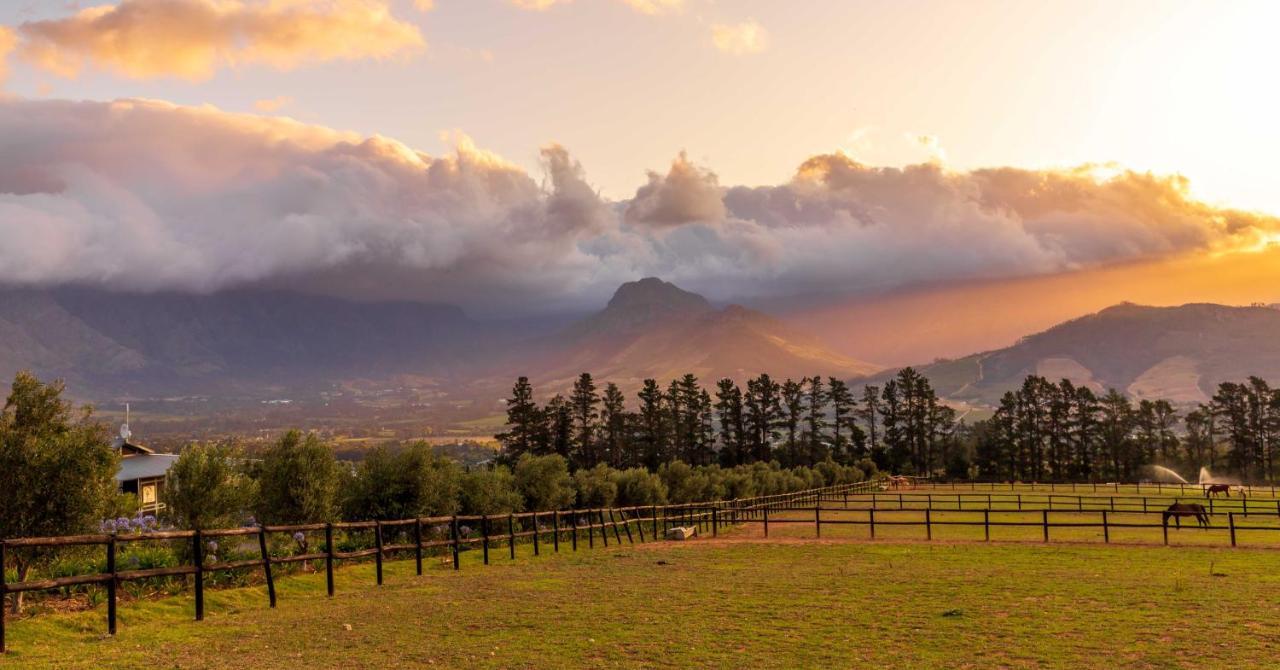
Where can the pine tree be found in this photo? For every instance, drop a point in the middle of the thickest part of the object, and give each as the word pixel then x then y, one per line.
pixel 816 399
pixel 843 410
pixel 585 417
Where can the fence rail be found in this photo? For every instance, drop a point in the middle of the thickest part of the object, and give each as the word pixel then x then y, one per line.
pixel 813 515
pixel 1242 505
pixel 1187 488
pixel 495 530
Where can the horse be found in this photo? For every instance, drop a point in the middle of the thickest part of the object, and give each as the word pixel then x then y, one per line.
pixel 1214 489
pixel 1179 510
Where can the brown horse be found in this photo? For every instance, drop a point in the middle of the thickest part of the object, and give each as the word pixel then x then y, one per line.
pixel 1214 489
pixel 1179 510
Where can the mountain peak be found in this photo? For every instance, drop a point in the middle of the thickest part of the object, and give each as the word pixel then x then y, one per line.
pixel 653 297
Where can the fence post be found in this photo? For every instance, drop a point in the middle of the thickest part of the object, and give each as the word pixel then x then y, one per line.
pixel 511 535
pixel 899 501
pixel 715 523
pixel 328 558
pixel 654 509
pixel 1244 504
pixel 111 585
pixel 555 530
pixel 928 523
pixel 197 557
pixel 817 520
pixel 986 524
pixel 766 521
pixel 635 514
pixel 1106 529
pixel 1231 523
pixel 4 592
pixel 1165 525
pixel 1019 502
pixel 1045 523
pixel 377 542
pixel 537 530
pixel 612 522
pixel 626 525
pixel 1211 504
pixel 453 533
pixel 266 564
pixel 871 514
pixel 417 544
pixel 484 529
pixel 1144 504
pixel 574 517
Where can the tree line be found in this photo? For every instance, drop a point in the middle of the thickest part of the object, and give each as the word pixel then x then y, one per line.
pixel 1046 431
pixel 1041 431
pixel 898 427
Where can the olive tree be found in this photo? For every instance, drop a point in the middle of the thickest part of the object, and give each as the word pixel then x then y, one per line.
pixel 544 481
pixel 298 480
pixel 205 487
pixel 57 468
pixel 412 483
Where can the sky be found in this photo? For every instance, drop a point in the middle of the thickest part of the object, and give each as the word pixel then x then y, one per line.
pixel 531 154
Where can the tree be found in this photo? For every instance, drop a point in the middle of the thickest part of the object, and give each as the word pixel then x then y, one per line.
pixel 870 413
pixel 56 468
pixel 526 423
pixel 613 421
pixel 652 426
pixel 490 491
pixel 816 399
pixel 545 483
pixel 843 408
pixel 206 488
pixel 763 416
pixel 298 480
pixel 585 417
pixel 729 410
pixel 559 417
pixel 412 483
pixel 792 409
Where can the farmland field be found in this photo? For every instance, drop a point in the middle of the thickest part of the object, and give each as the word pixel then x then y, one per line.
pixel 732 602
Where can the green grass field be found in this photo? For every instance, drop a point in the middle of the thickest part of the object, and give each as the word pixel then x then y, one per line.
pixel 735 602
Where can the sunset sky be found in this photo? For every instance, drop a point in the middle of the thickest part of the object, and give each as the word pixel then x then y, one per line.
pixel 534 153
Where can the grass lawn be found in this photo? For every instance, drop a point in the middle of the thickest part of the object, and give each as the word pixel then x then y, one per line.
pixel 726 603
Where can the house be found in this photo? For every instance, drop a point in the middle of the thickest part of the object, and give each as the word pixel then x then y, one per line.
pixel 142 470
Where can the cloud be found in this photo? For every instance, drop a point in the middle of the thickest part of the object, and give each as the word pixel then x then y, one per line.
pixel 686 194
pixel 273 104
pixel 143 195
pixel 748 37
pixel 654 7
pixel 192 39
pixel 7 43
pixel 651 7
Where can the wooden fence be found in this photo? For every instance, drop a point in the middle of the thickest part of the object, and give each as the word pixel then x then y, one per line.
pixel 893 509
pixel 561 527
pixel 1095 487
pixel 1243 506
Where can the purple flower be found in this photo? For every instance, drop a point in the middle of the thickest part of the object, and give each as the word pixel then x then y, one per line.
pixel 122 523
pixel 213 547
pixel 299 537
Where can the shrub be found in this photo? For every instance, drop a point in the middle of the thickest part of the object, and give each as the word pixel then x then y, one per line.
pixel 544 481
pixel 205 488
pixel 413 483
pixel 490 492
pixel 596 487
pixel 298 481
pixel 638 486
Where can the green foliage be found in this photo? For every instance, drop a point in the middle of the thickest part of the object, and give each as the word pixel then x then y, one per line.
pixel 596 487
pixel 56 470
pixel 490 491
pixel 298 480
pixel 205 488
pixel 544 481
pixel 409 484
pixel 637 486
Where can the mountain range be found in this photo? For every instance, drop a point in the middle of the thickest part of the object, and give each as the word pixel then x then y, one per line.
pixel 1177 353
pixel 261 344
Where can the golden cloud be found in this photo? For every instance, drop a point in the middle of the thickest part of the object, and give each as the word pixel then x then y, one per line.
pixel 7 43
pixel 748 37
pixel 191 39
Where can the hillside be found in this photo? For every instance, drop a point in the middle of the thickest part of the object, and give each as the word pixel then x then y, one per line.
pixel 652 328
pixel 106 343
pixel 1179 353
